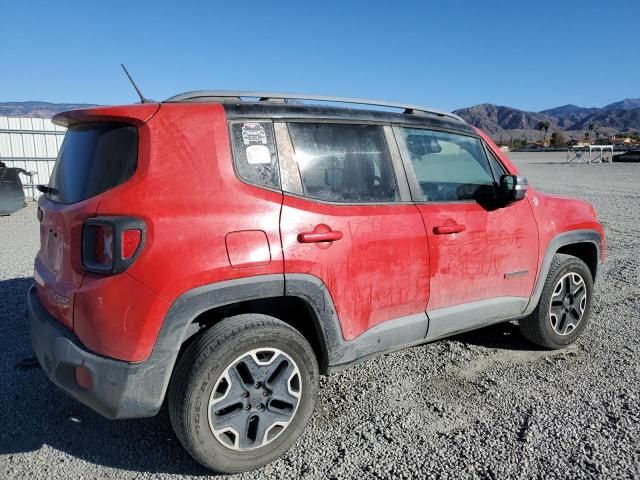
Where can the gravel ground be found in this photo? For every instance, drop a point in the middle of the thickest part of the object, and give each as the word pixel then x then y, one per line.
pixel 481 405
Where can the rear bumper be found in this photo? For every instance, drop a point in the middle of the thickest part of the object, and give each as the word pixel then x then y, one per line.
pixel 118 389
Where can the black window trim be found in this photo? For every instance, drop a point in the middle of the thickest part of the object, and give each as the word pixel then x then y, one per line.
pixel 487 152
pixel 414 186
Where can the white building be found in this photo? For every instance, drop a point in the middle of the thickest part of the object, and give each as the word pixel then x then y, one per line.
pixel 32 144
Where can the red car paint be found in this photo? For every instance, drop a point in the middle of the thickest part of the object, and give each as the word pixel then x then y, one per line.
pixel 204 225
pixel 470 265
pixel 377 271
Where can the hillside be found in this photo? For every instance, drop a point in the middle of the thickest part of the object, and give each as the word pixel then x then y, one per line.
pixel 37 109
pixel 622 116
pixel 495 119
pixel 620 120
pixel 626 104
pixel 569 115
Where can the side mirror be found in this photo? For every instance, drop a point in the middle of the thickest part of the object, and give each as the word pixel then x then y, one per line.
pixel 512 188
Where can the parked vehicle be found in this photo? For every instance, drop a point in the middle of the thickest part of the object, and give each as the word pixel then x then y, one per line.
pixel 225 252
pixel 628 156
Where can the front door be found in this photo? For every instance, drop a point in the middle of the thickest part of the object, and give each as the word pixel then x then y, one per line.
pixel 483 255
pixel 346 220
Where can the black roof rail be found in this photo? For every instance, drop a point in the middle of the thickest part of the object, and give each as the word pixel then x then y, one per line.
pixel 267 96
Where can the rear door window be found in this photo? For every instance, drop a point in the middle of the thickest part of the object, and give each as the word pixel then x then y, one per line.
pixel 343 163
pixel 93 159
pixel 449 167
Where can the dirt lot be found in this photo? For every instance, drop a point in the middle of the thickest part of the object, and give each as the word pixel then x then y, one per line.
pixel 481 405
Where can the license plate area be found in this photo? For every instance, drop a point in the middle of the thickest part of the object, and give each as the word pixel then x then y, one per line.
pixel 54 251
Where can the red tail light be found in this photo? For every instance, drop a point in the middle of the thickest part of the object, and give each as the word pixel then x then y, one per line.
pixel 111 244
pixel 130 242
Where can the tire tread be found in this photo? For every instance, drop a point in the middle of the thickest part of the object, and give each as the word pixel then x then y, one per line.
pixel 194 359
pixel 533 326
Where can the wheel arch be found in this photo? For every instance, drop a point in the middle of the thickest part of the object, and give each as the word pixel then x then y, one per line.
pixel 301 301
pixel 585 251
pixel 292 310
pixel 583 244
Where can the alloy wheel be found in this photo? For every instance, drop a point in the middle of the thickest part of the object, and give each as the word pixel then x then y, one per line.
pixel 255 399
pixel 568 303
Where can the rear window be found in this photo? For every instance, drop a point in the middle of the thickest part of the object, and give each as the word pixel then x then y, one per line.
pixel 93 159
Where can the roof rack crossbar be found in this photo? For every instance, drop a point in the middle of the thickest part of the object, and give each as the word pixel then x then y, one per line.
pixel 266 96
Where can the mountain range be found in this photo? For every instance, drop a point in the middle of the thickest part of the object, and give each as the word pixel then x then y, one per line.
pixel 496 120
pixel 37 109
pixel 617 117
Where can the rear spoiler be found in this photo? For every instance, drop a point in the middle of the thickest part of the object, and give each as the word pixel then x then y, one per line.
pixel 134 114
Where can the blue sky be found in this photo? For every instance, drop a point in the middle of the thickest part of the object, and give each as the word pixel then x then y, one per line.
pixel 446 54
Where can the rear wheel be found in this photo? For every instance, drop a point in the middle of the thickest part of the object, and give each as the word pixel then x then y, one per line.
pixel 243 392
pixel 564 306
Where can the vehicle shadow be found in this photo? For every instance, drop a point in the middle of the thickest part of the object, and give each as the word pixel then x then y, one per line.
pixel 36 413
pixel 502 336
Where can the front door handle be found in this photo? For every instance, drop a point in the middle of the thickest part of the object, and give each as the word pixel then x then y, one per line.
pixel 449 229
pixel 321 233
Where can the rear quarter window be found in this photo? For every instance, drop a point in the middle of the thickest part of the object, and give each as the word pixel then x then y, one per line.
pixel 93 159
pixel 254 153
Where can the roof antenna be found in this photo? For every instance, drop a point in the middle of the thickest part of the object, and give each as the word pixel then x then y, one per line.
pixel 143 99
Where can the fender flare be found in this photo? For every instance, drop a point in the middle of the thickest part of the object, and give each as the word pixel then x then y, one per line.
pixel 559 241
pixel 194 302
pixel 187 307
pixel 310 289
pixel 176 324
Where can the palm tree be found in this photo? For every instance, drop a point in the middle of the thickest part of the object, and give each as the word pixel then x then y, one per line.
pixel 545 125
pixel 540 127
pixel 591 127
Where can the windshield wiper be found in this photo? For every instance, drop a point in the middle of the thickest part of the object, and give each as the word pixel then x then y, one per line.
pixel 47 190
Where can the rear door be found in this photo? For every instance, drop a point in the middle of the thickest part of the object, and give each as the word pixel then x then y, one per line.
pixel 347 219
pixel 94 157
pixel 483 254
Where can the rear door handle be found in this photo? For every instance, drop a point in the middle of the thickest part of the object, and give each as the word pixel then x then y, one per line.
pixel 449 229
pixel 321 233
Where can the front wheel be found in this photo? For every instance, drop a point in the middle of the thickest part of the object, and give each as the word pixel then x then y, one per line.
pixel 243 392
pixel 564 306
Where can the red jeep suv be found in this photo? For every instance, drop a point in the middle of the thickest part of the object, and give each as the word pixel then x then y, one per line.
pixel 224 249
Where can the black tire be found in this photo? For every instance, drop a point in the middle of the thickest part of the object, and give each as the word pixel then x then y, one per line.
pixel 538 327
pixel 213 354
